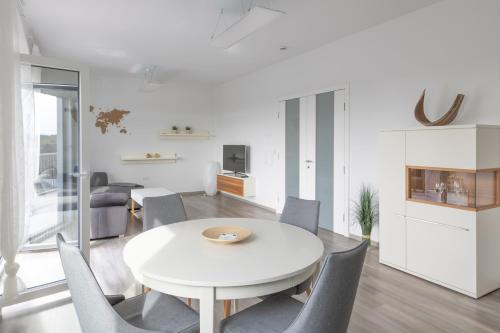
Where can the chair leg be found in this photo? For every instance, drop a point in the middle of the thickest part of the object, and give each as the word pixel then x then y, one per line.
pixel 313 281
pixel 227 308
pixel 189 302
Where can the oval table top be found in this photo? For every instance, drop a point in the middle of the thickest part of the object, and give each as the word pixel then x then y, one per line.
pixel 178 253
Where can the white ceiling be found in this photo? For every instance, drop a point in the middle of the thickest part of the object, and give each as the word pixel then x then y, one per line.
pixel 175 34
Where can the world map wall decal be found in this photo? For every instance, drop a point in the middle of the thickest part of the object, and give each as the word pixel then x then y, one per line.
pixel 106 119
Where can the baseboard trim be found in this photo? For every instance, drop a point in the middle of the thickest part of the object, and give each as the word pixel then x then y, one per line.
pixel 192 193
pixel 269 209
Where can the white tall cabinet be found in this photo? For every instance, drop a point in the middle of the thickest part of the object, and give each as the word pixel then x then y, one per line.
pixel 440 205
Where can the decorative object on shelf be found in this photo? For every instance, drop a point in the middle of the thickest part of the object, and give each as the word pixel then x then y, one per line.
pixel 153 155
pixel 226 235
pixel 150 157
pixel 455 188
pixel 446 119
pixel 183 135
pixel 442 191
pixel 189 130
pixel 366 211
pixel 212 169
pixel 175 129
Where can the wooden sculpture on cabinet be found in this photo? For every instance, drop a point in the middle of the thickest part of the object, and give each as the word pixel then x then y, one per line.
pixel 446 119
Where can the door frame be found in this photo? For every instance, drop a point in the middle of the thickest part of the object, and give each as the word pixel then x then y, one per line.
pixel 344 229
pixel 84 199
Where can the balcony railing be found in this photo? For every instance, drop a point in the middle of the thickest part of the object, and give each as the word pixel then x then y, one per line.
pixel 47 175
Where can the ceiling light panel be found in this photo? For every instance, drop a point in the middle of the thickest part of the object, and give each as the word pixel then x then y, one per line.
pixel 255 19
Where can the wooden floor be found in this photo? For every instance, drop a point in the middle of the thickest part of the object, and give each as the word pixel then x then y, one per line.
pixel 387 300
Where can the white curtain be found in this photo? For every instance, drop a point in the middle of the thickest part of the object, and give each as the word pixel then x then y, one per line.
pixel 14 163
pixel 31 133
pixel 31 145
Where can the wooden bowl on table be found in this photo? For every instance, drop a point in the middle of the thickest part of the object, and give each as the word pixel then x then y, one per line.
pixel 226 234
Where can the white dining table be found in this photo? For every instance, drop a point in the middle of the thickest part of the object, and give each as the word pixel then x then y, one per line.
pixel 175 259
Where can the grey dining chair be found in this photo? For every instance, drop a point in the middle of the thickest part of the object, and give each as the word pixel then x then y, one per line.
pixel 158 211
pixel 303 214
pixel 146 313
pixel 327 310
pixel 163 210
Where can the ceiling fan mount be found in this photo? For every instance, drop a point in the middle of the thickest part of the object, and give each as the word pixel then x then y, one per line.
pixel 150 83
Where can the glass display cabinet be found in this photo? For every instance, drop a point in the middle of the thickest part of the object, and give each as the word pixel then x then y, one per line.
pixel 466 189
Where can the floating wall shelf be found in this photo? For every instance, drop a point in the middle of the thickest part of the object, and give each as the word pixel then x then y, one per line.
pixel 181 135
pixel 150 158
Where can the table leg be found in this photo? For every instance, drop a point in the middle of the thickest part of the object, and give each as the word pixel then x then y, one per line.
pixel 235 306
pixel 227 308
pixel 207 310
pixel 132 207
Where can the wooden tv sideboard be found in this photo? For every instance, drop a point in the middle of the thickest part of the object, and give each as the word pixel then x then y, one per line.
pixel 243 187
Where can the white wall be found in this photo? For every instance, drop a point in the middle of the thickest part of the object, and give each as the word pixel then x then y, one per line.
pixel 448 48
pixel 177 103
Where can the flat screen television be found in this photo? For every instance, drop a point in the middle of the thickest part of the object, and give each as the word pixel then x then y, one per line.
pixel 235 158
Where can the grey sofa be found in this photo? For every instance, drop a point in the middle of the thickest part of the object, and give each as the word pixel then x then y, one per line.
pixel 99 184
pixel 108 214
pixel 109 203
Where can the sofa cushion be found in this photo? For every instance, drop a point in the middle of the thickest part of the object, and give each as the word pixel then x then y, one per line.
pixel 99 179
pixel 108 199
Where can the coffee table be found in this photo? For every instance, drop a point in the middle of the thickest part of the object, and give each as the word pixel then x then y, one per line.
pixel 138 195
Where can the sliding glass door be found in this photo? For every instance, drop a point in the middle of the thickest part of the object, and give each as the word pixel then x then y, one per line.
pixel 54 205
pixel 53 96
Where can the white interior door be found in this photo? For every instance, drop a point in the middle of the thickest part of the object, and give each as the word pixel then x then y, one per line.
pixel 307 160
pixel 314 147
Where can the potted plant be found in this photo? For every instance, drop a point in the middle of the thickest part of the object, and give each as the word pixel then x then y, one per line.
pixel 175 129
pixel 189 130
pixel 366 211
